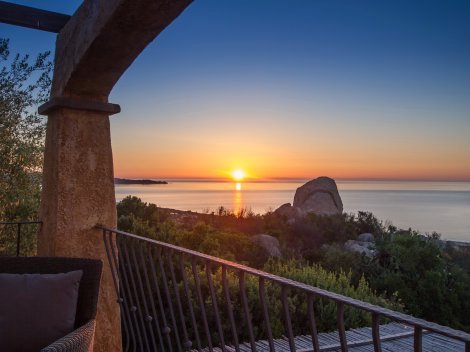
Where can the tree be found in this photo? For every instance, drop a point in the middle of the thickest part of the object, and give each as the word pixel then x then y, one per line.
pixel 23 86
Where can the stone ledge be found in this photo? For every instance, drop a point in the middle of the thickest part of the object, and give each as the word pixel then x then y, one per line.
pixel 78 104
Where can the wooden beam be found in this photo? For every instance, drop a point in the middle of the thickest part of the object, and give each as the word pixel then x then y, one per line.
pixel 31 17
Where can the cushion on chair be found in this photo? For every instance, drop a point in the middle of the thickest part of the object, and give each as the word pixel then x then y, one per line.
pixel 36 309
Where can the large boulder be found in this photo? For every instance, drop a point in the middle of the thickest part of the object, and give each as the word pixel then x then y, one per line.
pixel 319 196
pixel 288 211
pixel 269 243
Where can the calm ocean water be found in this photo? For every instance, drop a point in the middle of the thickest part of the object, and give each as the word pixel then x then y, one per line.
pixel 443 207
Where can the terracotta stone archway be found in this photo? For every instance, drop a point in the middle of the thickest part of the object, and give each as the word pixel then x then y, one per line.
pixel 93 50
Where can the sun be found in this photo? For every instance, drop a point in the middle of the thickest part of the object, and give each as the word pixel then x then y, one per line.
pixel 238 175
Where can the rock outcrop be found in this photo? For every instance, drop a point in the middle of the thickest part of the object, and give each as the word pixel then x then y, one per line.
pixel 288 211
pixel 269 243
pixel 366 248
pixel 319 196
pixel 366 237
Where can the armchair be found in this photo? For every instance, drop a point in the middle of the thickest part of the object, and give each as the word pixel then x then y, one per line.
pixel 81 339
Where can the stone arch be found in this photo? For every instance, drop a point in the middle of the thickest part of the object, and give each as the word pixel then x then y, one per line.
pixel 93 50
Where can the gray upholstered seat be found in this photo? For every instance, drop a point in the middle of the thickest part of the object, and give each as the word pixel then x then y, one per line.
pixel 81 339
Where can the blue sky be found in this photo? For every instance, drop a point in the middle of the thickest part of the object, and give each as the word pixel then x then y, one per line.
pixel 350 89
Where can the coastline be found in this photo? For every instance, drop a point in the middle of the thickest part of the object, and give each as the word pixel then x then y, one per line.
pixel 443 207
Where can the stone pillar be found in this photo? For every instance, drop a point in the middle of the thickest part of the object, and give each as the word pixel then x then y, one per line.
pixel 77 194
pixel 93 50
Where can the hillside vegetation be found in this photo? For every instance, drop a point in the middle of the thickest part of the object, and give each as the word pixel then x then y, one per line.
pixel 408 271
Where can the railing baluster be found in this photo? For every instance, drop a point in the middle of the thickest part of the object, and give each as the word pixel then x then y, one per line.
pixel 149 295
pixel 187 343
pixel 376 332
pixel 313 323
pixel 215 306
pixel 288 321
pixel 201 303
pixel 18 239
pixel 230 308
pixel 246 309
pixel 136 296
pixel 418 339
pixel 114 266
pixel 262 298
pixel 168 298
pixel 341 329
pixel 18 225
pixel 166 328
pixel 129 299
pixel 190 303
pixel 147 318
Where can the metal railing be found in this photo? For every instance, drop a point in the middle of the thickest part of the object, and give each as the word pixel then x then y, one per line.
pixel 173 298
pixel 17 227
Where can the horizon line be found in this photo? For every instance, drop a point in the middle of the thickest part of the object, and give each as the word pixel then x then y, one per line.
pixel 292 179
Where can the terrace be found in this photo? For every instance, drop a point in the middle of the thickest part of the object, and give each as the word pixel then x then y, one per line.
pixel 154 295
pixel 172 298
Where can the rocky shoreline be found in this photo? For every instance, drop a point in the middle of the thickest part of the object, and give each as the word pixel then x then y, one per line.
pixel 126 181
pixel 319 196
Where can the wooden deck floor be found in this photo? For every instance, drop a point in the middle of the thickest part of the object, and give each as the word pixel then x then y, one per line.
pixel 395 337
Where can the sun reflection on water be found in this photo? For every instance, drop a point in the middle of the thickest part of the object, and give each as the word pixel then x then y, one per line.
pixel 237 198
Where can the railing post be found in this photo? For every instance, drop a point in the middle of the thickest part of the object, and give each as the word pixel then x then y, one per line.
pixel 313 323
pixel 376 332
pixel 288 321
pixel 262 298
pixel 418 339
pixel 244 301
pixel 341 329
pixel 230 308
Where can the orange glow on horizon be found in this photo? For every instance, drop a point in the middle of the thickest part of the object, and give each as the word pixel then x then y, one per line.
pixel 263 160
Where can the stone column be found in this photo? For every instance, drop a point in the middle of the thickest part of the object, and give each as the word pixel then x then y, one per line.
pixel 77 194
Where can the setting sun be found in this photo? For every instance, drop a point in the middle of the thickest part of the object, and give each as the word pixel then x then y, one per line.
pixel 238 175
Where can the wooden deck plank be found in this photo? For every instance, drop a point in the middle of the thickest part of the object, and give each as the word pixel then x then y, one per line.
pixel 394 337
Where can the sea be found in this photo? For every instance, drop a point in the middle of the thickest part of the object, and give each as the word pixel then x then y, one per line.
pixel 442 207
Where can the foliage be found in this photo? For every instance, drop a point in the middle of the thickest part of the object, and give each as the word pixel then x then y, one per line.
pixel 23 85
pixel 186 231
pixel 408 270
pixel 335 258
pixel 338 282
pixel 413 268
pixel 325 310
pixel 208 235
pixel 459 255
pixel 201 280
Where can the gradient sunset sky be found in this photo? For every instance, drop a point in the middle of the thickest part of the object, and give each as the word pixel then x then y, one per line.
pixel 294 89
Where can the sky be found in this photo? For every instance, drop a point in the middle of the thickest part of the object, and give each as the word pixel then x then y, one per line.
pixel 293 89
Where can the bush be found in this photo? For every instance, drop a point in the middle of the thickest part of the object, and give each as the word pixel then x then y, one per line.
pixel 413 268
